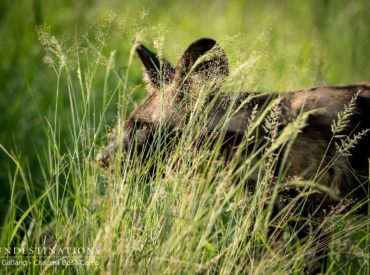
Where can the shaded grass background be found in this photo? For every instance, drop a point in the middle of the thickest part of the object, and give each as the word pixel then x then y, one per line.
pixel 295 44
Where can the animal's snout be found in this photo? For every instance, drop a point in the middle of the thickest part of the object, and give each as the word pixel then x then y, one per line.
pixel 104 157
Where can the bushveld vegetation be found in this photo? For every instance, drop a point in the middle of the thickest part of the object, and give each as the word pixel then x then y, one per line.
pixel 66 88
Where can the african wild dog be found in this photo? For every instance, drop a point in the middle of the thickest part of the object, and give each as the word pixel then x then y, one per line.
pixel 204 61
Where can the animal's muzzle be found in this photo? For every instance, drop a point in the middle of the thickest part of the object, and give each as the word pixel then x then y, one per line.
pixel 104 157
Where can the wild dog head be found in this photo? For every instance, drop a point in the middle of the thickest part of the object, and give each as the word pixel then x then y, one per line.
pixel 203 63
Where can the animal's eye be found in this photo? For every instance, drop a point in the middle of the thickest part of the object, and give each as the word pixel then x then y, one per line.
pixel 141 125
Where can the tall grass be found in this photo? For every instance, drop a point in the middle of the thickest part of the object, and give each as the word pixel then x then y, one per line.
pixel 330 46
pixel 196 212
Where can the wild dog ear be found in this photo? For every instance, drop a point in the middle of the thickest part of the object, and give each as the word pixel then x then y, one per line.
pixel 158 70
pixel 203 57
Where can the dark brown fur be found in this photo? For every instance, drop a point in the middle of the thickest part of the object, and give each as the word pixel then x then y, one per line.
pixel 204 62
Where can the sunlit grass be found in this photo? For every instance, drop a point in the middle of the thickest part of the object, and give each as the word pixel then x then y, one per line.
pixel 196 213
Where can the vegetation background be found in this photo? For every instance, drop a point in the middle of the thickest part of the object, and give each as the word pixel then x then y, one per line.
pixel 296 44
